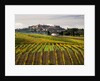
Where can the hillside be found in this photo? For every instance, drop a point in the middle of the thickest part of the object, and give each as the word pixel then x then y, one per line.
pixel 42 29
pixel 38 49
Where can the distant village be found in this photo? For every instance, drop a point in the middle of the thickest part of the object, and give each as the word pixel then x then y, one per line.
pixel 51 30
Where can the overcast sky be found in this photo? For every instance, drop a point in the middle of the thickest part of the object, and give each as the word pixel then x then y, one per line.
pixel 65 21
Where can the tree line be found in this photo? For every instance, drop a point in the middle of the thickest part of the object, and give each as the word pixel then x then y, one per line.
pixel 71 32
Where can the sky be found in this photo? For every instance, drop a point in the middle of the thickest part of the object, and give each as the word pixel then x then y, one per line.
pixel 65 21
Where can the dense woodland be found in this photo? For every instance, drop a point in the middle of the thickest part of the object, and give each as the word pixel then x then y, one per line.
pixel 73 32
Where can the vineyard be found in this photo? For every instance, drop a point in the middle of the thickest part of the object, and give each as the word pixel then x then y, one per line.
pixel 37 49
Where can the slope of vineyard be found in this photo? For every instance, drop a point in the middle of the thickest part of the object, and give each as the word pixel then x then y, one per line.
pixel 37 49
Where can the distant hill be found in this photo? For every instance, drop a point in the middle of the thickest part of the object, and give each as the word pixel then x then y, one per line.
pixel 42 29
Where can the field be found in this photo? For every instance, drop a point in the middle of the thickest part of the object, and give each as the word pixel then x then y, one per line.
pixel 37 49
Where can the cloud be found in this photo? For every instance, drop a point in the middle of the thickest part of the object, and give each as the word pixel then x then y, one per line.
pixel 25 20
pixel 19 25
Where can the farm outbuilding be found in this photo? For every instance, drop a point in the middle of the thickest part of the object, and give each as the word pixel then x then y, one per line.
pixel 54 34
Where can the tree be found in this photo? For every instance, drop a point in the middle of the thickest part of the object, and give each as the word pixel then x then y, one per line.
pixel 74 31
pixel 61 33
pixel 48 33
